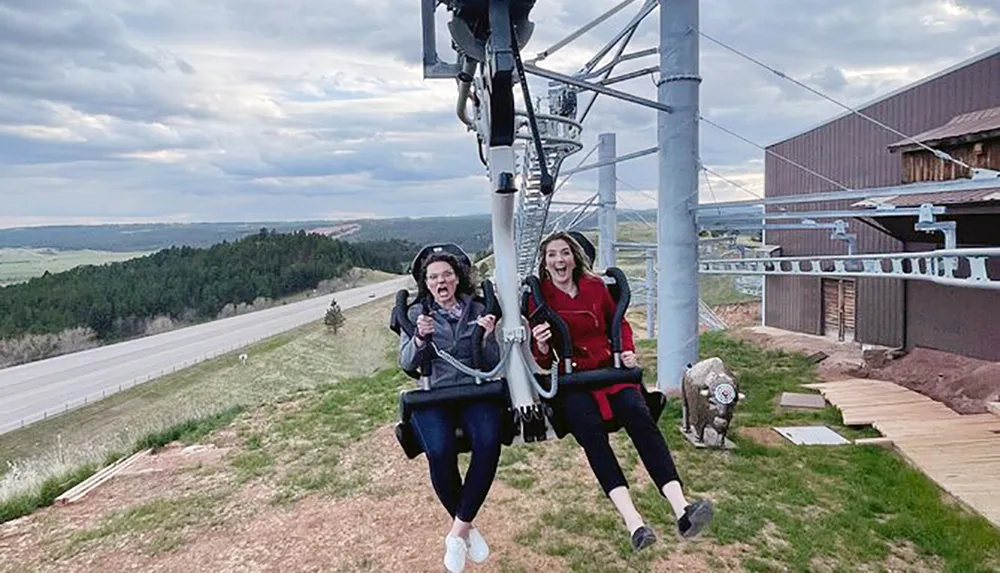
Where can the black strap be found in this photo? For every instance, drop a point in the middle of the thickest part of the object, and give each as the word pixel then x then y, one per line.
pixel 427 353
pixel 547 184
pixel 624 296
pixel 543 313
pixel 491 307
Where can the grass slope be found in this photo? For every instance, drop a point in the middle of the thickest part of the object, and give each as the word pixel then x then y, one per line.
pixel 303 358
pixel 779 507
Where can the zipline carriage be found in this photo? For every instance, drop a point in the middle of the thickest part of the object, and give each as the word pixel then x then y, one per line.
pixel 487 36
pixel 492 385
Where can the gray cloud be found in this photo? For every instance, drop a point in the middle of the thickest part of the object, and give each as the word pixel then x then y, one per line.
pixel 251 109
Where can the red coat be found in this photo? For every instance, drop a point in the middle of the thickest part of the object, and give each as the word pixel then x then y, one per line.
pixel 587 316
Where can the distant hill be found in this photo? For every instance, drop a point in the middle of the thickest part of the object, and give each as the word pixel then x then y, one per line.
pixel 472 232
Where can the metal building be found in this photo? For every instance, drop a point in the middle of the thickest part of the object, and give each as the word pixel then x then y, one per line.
pixel 957 110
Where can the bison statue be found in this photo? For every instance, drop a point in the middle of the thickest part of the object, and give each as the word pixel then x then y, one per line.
pixel 710 392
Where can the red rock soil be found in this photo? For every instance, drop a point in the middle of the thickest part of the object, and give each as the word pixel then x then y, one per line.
pixel 964 384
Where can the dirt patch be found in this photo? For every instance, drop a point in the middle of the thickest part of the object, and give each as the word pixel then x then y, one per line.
pixel 964 384
pixel 337 231
pixel 739 314
pixel 764 436
pixel 395 524
pixel 843 360
pixel 44 538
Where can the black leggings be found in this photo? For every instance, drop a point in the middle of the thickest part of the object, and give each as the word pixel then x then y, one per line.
pixel 629 407
pixel 435 428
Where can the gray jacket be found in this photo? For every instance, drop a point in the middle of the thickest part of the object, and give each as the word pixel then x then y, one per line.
pixel 451 336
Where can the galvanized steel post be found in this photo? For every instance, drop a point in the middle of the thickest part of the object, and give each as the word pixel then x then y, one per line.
pixel 607 224
pixel 651 293
pixel 677 234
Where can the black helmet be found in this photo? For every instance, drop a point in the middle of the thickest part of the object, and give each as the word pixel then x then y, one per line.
pixel 450 248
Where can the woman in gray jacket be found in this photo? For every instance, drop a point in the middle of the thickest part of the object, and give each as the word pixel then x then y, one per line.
pixel 453 314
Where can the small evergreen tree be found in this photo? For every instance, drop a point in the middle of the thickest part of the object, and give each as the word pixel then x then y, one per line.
pixel 334 316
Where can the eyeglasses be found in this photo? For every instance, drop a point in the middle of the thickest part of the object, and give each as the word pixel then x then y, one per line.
pixel 446 275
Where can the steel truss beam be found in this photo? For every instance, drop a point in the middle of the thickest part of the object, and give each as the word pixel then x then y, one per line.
pixel 862 194
pixel 951 267
pixel 583 30
pixel 627 32
pixel 585 85
pixel 623 58
pixel 720 222
pixel 619 159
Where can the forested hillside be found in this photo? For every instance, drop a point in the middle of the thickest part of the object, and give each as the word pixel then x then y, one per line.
pixel 189 283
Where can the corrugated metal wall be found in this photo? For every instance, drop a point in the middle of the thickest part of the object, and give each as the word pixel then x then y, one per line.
pixel 790 307
pixel 959 320
pixel 853 152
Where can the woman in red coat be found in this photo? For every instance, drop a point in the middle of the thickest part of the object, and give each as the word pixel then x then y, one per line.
pixel 582 300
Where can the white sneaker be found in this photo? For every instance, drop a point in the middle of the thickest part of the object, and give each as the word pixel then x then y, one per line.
pixel 454 554
pixel 478 550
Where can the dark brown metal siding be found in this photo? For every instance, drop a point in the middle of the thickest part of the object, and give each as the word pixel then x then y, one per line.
pixel 789 306
pixel 959 320
pixel 853 152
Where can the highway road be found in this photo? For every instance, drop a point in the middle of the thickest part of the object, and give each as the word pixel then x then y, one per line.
pixel 46 388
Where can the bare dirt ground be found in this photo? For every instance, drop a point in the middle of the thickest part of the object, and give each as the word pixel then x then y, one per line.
pixel 182 510
pixel 337 231
pixel 964 384
pixel 843 360
pixel 738 315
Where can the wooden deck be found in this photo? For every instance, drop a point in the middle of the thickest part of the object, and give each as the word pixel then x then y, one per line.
pixel 961 453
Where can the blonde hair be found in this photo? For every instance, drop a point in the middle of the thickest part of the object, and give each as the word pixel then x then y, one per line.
pixel 582 263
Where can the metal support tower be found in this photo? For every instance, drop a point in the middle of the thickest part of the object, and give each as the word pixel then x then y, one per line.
pixel 677 236
pixel 607 224
pixel 651 293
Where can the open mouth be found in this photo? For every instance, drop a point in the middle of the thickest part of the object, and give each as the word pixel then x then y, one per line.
pixel 560 272
pixel 442 290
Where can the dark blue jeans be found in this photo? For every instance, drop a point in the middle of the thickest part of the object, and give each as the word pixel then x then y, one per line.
pixel 435 428
pixel 584 420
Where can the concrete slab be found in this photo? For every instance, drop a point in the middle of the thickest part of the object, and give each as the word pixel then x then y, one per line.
pixel 812 436
pixel 795 400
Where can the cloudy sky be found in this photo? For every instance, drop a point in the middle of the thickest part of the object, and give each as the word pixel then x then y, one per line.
pixel 249 110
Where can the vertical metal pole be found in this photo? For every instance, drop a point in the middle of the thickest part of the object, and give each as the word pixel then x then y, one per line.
pixel 505 259
pixel 606 220
pixel 650 293
pixel 677 235
pixel 763 284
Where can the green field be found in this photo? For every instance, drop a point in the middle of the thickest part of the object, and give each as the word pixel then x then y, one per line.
pixel 19 265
